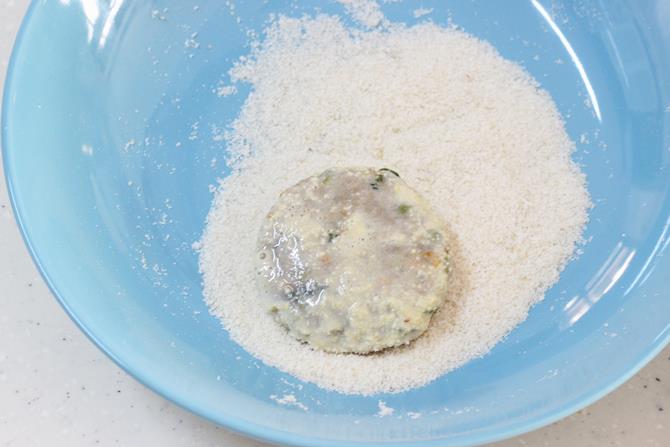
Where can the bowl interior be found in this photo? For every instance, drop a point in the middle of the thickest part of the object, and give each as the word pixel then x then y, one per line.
pixel 112 140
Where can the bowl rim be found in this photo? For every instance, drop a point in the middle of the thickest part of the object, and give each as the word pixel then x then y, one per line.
pixel 230 421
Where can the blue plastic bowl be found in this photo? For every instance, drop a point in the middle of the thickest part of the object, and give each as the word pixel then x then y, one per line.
pixel 100 93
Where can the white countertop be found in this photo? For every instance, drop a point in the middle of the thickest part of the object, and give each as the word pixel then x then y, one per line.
pixel 57 388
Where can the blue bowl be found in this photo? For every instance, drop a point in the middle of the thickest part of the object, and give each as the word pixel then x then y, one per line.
pixel 100 94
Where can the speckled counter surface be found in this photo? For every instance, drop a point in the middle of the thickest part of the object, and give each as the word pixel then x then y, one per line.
pixel 56 388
